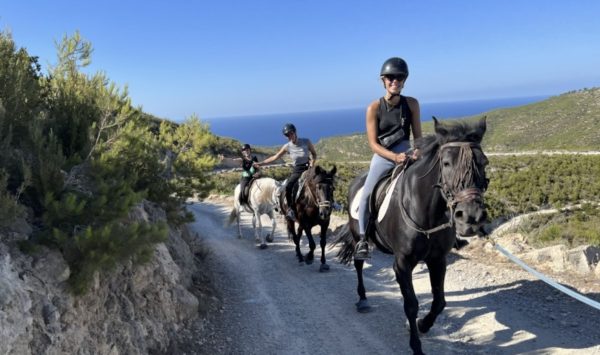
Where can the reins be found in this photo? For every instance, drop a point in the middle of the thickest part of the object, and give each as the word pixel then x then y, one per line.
pixel 314 199
pixel 452 199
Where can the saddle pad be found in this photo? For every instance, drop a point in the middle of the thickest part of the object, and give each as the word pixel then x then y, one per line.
pixel 384 205
pixel 388 197
pixel 355 203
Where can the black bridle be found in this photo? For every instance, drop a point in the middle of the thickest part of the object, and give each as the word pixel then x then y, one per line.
pixel 315 199
pixel 453 192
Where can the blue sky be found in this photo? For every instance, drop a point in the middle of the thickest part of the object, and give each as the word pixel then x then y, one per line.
pixel 228 58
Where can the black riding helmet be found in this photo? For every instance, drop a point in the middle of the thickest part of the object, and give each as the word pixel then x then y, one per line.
pixel 245 146
pixel 288 128
pixel 394 66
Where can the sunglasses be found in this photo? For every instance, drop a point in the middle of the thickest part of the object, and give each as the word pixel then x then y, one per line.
pixel 391 78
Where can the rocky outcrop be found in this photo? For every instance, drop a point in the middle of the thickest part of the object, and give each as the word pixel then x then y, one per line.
pixel 134 309
pixel 581 260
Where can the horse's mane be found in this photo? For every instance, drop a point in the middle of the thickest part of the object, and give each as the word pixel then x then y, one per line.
pixel 316 171
pixel 314 175
pixel 454 131
pixel 267 185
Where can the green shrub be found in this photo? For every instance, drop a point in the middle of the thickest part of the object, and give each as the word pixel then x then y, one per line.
pixel 10 209
pixel 80 156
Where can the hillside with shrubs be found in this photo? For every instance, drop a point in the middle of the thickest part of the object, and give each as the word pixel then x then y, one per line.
pixel 77 156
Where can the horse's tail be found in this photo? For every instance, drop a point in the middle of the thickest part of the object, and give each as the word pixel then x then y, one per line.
pixel 233 215
pixel 346 239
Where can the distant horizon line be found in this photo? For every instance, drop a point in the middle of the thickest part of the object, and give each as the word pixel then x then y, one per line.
pixel 543 96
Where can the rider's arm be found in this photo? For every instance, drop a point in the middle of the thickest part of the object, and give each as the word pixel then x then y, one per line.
pixel 272 158
pixel 255 162
pixel 372 136
pixel 313 152
pixel 415 109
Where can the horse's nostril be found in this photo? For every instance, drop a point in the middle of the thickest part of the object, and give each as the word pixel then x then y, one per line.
pixel 458 214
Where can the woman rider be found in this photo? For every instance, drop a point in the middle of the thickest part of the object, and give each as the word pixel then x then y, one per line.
pixel 298 149
pixel 249 169
pixel 390 120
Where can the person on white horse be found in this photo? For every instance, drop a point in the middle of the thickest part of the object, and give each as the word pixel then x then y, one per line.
pixel 249 171
pixel 300 150
pixel 262 197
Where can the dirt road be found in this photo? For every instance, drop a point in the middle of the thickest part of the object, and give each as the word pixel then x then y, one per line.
pixel 271 304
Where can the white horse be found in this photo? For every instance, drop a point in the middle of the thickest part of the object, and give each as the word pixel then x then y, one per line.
pixel 263 198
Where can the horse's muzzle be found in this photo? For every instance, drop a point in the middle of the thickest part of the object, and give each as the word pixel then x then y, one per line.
pixel 324 210
pixel 469 217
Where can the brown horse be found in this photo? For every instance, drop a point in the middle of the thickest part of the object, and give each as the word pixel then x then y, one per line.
pixel 313 208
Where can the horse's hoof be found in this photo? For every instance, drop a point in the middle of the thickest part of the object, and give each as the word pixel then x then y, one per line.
pixel 421 327
pixel 309 261
pixel 363 306
pixel 263 246
pixel 269 238
pixel 239 236
pixel 323 268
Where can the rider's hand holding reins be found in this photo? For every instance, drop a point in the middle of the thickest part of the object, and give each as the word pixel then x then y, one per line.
pixel 399 158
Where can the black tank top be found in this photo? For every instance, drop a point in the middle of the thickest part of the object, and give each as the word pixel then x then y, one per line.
pixel 393 123
pixel 247 164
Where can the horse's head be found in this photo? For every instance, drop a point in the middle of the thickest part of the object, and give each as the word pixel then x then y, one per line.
pixel 276 195
pixel 321 186
pixel 462 177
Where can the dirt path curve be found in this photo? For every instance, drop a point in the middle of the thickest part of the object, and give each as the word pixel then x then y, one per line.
pixel 271 304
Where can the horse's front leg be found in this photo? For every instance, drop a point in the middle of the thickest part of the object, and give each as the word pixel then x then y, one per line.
pixel 258 231
pixel 271 236
pixel 362 305
pixel 411 303
pixel 296 238
pixel 323 242
pixel 310 257
pixel 437 275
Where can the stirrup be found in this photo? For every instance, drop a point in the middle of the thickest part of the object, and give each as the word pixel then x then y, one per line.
pixel 362 251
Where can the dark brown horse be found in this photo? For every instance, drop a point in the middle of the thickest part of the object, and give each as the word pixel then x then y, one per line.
pixel 313 207
pixel 438 196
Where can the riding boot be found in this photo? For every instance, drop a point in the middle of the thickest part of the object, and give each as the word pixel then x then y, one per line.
pixel 361 252
pixel 291 215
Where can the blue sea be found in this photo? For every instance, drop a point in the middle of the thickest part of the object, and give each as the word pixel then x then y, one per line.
pixel 265 130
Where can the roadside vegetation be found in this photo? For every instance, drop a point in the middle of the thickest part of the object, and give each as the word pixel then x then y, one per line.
pixel 77 157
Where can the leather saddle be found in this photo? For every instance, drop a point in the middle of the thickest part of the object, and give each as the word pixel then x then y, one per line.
pixel 246 192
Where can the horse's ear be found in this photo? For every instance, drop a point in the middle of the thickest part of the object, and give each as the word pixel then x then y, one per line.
pixel 438 127
pixel 318 170
pixel 483 124
pixel 333 170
